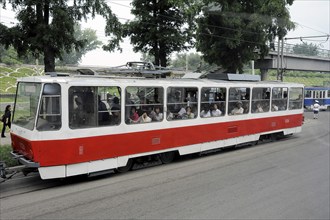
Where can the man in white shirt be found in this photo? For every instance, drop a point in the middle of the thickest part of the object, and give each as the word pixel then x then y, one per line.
pixel 316 109
pixel 238 110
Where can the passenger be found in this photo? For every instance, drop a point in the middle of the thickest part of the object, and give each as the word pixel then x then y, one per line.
pixel 188 114
pixel 79 116
pixel 274 107
pixel 144 118
pixel 103 115
pixel 182 112
pixel 134 117
pixel 115 102
pixel 238 110
pixel 205 113
pixel 259 108
pixel 170 116
pixel 215 111
pixel 156 115
pixel 115 116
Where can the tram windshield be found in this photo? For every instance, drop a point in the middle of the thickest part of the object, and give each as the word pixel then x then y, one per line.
pixel 26 104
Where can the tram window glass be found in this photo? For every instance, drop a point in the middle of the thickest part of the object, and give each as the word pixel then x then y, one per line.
pixel 295 98
pixel 328 94
pixel 279 98
pixel 239 101
pixel 50 109
pixel 260 100
pixel 213 102
pixel 144 104
pixel 308 94
pixel 26 104
pixel 109 105
pixel 317 94
pixel 82 107
pixel 182 103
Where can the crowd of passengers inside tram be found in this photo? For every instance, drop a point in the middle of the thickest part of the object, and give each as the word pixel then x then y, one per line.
pixel 146 111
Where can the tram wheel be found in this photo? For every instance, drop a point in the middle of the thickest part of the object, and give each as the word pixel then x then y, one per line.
pixel 167 157
pixel 126 168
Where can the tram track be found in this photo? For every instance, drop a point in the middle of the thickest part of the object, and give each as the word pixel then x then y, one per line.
pixel 32 182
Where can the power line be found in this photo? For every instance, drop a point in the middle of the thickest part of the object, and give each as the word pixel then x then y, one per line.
pixel 208 34
pixel 291 38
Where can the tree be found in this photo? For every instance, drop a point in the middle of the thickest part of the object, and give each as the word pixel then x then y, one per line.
pixel 230 33
pixel 8 56
pixel 89 37
pixel 306 49
pixel 195 62
pixel 46 27
pixel 160 27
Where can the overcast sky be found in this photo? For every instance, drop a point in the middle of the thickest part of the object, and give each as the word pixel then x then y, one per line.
pixel 312 18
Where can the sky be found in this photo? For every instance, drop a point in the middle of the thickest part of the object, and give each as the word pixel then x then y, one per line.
pixel 312 18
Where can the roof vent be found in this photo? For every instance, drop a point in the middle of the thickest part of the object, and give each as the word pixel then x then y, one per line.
pixel 56 74
pixel 233 77
pixel 86 71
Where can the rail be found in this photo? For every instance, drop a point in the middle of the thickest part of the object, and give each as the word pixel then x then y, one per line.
pixel 289 49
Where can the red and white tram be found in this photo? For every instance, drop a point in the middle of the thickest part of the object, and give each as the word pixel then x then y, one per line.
pixel 66 126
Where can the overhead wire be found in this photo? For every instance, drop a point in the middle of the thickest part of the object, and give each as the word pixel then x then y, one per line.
pixel 13 21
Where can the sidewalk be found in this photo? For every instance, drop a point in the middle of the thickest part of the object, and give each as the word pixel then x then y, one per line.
pixel 6 140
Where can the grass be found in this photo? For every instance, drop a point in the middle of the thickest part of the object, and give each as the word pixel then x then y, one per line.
pixel 6 157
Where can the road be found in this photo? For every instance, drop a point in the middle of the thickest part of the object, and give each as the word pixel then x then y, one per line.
pixel 287 179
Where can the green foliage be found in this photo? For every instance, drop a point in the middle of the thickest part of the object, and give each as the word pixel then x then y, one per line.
pixel 160 28
pixel 89 37
pixel 8 56
pixel 230 32
pixel 306 49
pixel 47 27
pixel 306 78
pixel 195 62
pixel 6 157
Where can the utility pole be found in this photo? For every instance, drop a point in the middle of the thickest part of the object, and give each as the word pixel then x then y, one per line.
pixel 282 60
pixel 278 60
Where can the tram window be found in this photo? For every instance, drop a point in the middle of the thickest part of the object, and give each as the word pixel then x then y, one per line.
pixel 239 101
pixel 213 102
pixel 144 104
pixel 26 104
pixel 279 99
pixel 181 103
pixel 109 105
pixel 323 94
pixel 50 109
pixel 295 98
pixel 260 100
pixel 308 94
pixel 317 94
pixel 82 106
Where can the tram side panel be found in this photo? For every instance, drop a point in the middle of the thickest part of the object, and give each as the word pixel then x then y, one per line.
pixel 79 150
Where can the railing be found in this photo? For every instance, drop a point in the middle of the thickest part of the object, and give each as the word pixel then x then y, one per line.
pixel 288 49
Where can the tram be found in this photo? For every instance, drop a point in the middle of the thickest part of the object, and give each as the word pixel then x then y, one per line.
pixel 321 94
pixel 84 124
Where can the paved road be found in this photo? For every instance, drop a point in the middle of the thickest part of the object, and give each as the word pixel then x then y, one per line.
pixel 288 179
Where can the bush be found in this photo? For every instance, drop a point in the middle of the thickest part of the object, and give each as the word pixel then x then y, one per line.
pixel 6 157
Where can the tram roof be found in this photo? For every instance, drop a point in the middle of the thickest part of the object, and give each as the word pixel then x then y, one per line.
pixel 317 88
pixel 99 79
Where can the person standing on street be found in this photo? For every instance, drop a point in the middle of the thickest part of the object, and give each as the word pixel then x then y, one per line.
pixel 316 109
pixel 6 120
